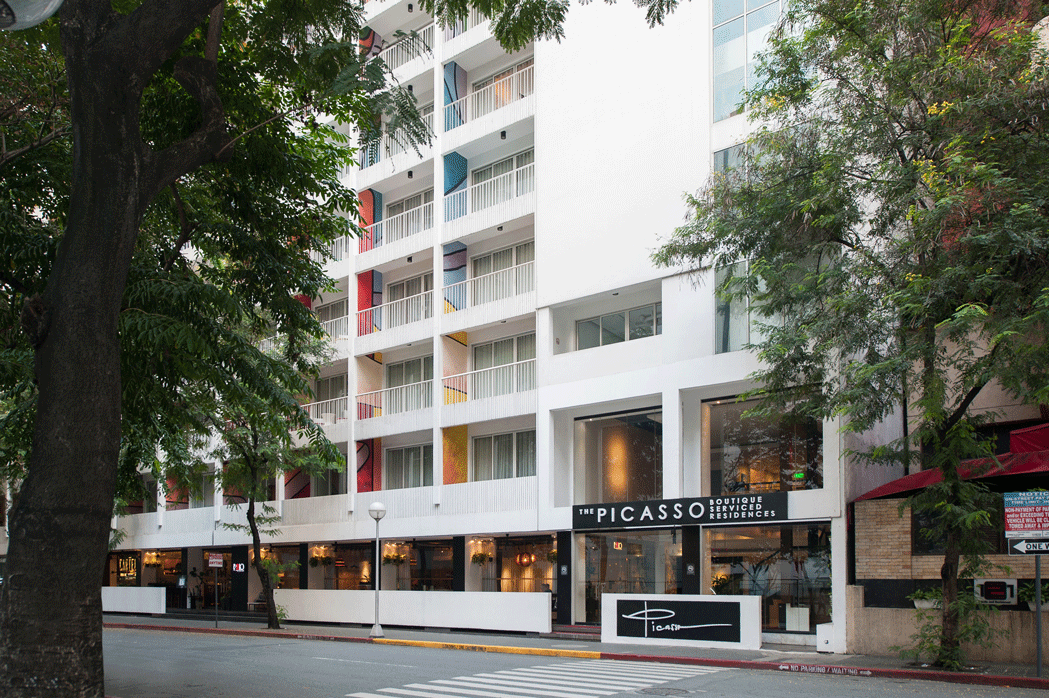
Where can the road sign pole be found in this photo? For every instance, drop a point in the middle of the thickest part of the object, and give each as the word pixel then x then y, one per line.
pixel 1038 611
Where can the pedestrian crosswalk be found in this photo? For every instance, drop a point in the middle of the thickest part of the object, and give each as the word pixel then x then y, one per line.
pixel 591 678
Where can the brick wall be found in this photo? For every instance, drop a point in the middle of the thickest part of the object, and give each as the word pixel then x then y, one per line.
pixel 883 547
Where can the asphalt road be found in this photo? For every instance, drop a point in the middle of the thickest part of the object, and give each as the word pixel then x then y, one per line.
pixel 154 664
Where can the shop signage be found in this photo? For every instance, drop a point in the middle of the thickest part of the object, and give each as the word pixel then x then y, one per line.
pixel 704 511
pixel 214 559
pixel 703 621
pixel 1026 514
pixel 238 566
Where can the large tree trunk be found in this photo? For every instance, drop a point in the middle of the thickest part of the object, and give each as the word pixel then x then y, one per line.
pixel 273 621
pixel 51 607
pixel 950 650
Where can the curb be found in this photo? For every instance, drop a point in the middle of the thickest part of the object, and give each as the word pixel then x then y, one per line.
pixel 790 667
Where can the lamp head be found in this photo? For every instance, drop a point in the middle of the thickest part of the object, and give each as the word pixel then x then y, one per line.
pixel 377 510
pixel 22 14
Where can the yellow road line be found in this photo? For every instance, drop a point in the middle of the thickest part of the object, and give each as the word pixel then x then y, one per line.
pixel 539 651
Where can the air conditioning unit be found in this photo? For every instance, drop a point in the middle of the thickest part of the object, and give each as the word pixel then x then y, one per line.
pixel 996 591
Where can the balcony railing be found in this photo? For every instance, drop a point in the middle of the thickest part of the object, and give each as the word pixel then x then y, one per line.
pixel 397 227
pixel 339 327
pixel 490 382
pixel 461 26
pixel 268 345
pixel 489 98
pixel 329 411
pixel 491 192
pixel 339 250
pixel 395 313
pixel 498 285
pixel 396 55
pixel 372 152
pixel 404 398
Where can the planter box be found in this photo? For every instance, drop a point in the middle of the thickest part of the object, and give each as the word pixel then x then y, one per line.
pixel 926 603
pixel 1045 606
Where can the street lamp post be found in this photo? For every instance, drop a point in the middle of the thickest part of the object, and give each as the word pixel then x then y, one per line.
pixel 377 510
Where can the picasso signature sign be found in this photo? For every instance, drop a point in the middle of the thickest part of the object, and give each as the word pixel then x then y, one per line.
pixel 711 621
pixel 707 511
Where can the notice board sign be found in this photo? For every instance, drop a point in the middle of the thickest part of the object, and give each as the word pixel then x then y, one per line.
pixel 214 559
pixel 1026 514
pixel 675 619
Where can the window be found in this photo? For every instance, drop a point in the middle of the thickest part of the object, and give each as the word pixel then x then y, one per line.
pixel 761 454
pixel 408 467
pixel 331 388
pixel 334 318
pixel 502 180
pixel 490 285
pixel 490 380
pixel 728 159
pixel 328 482
pixel 621 326
pixel 622 457
pixel 408 217
pixel 788 566
pixel 416 300
pixel 732 315
pixel 741 30
pixel 504 455
pixel 332 311
pixel 506 86
pixel 408 385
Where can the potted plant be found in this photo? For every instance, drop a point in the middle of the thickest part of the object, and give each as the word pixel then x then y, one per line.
pixel 397 559
pixel 926 598
pixel 481 558
pixel 1026 595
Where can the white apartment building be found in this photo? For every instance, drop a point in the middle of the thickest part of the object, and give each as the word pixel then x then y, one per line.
pixel 546 416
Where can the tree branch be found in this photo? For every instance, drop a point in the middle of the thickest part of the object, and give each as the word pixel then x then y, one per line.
pixel 185 228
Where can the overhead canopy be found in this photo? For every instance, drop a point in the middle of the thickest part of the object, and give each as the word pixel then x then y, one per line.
pixel 1022 461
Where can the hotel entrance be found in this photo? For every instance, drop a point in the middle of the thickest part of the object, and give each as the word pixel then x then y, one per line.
pixel 627 562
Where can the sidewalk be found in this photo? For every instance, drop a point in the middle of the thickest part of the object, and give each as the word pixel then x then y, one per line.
pixel 784 658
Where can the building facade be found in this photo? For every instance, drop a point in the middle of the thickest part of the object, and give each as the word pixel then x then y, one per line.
pixel 546 416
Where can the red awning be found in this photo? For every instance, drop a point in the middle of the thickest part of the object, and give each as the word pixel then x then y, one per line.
pixel 1034 438
pixel 1010 464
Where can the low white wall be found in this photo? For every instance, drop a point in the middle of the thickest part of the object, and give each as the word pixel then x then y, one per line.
pixel 476 610
pixel 134 600
pixel 657 621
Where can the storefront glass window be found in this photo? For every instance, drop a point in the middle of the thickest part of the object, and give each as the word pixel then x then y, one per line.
pixel 761 454
pixel 623 457
pixel 524 564
pixel 788 566
pixel 627 562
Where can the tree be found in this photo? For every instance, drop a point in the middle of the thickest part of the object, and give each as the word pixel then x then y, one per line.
pixel 891 208
pixel 112 318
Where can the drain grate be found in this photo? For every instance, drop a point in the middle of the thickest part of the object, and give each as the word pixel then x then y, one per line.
pixel 658 691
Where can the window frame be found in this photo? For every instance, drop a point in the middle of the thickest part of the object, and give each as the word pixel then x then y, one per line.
pixel 514 452
pixel 657 325
pixel 387 462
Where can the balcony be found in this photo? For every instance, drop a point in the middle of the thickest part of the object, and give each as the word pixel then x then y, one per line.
pixel 501 93
pixel 495 201
pixel 339 328
pixel 396 237
pixel 490 393
pixel 399 55
pixel 384 156
pixel 486 299
pixel 394 323
pixel 401 409
pixel 333 416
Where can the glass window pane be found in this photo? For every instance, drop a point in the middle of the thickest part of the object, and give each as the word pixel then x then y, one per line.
pixel 726 10
pixel 394 469
pixel 613 329
pixel 659 318
pixel 730 57
pixel 483 357
pixel 526 347
pixel 732 324
pixel 588 334
pixel 642 322
pixel 482 265
pixel 526 253
pixel 483 458
pixel 759 26
pixel 502 456
pixel 525 453
pixel 427 466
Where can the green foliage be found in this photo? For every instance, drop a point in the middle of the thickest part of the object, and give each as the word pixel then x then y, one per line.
pixel 975 629
pixel 891 201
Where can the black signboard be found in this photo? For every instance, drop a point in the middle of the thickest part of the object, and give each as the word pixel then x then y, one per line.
pixel 704 511
pixel 706 621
